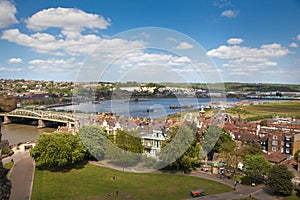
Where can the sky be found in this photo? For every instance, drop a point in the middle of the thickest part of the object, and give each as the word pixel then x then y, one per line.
pixel 255 41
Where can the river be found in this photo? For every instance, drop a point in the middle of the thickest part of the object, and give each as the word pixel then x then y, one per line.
pixel 149 107
pixel 19 133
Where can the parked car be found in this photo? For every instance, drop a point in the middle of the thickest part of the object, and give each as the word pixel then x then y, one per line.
pixel 197 193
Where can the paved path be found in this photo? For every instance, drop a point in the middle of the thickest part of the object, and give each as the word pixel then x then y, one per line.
pixel 242 191
pixel 21 175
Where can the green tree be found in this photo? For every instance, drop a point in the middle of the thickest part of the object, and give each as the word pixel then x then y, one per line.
pixel 214 138
pixel 129 141
pixel 181 151
pixel 296 157
pixel 280 180
pixel 127 149
pixel 264 122
pixel 57 150
pixel 228 154
pixel 95 140
pixel 251 149
pixel 256 165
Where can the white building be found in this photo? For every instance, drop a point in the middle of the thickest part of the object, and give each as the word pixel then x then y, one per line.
pixel 152 142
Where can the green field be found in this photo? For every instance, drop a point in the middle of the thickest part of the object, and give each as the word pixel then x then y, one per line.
pixel 94 182
pixel 267 110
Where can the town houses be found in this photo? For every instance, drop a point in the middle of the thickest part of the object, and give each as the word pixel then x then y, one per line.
pixel 279 137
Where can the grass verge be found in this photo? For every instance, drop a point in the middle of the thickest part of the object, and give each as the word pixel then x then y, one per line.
pixel 9 165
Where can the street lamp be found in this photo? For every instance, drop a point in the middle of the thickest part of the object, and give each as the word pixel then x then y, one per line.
pixel 7 104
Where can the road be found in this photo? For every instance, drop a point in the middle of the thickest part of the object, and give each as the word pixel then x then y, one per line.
pixel 22 175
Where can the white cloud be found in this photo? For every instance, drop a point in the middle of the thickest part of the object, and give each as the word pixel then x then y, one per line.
pixel 7 13
pixel 145 35
pixel 233 52
pixel 184 45
pixel 53 65
pixel 230 13
pixel 221 3
pixel 293 45
pixel 298 37
pixel 66 18
pixel 249 59
pixel 235 41
pixel 70 41
pixel 6 69
pixel 15 60
pixel 74 46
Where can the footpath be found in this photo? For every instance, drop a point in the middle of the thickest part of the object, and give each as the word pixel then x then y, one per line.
pixel 21 174
pixel 242 191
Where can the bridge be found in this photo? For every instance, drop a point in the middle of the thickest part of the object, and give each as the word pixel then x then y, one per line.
pixel 41 116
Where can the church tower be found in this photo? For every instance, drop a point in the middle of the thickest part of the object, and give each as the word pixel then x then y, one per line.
pixel 202 114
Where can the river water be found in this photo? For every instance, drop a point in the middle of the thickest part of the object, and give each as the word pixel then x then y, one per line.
pixel 20 133
pixel 150 108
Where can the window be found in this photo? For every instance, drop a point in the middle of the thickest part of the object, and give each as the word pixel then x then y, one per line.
pixel 287 151
pixel 274 149
pixel 275 137
pixel 275 143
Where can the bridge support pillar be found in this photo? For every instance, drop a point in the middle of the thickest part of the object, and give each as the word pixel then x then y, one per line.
pixel 69 125
pixel 41 124
pixel 6 120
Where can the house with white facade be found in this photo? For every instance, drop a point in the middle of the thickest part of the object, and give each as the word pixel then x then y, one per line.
pixel 152 142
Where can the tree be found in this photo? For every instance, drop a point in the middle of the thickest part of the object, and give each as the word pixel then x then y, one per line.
pixel 129 141
pixel 214 138
pixel 229 156
pixel 57 150
pixel 251 149
pixel 95 140
pixel 296 155
pixel 182 150
pixel 256 165
pixel 264 122
pixel 127 149
pixel 280 180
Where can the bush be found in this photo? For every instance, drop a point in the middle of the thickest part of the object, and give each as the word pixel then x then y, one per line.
pixel 5 151
pixel 246 180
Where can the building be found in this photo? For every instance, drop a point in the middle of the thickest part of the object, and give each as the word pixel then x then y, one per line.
pixel 152 142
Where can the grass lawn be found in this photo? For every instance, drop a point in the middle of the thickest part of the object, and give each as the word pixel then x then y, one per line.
pixel 287 108
pixel 294 196
pixel 94 182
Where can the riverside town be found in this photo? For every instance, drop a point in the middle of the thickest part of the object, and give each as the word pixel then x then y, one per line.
pixel 149 100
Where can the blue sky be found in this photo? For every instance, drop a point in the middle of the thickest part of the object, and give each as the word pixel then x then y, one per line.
pixel 242 41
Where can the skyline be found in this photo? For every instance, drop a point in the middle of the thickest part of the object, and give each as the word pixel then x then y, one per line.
pixel 248 41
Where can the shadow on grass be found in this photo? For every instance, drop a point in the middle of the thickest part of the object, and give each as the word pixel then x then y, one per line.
pixel 65 169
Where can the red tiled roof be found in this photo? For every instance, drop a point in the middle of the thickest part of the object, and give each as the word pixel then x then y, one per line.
pixel 275 157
